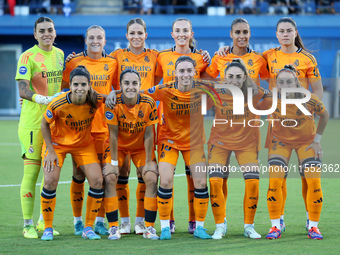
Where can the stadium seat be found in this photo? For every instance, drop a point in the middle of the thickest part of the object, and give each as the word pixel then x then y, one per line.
pixel 264 7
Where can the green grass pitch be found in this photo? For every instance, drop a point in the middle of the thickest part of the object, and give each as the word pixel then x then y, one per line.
pixel 293 241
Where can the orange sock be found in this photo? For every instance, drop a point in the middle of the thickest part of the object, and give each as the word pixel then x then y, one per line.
pixel 172 216
pixel 111 208
pixel 48 201
pixel 123 194
pixel 150 211
pixel 304 191
pixel 217 199
pixel 225 194
pixel 77 196
pixel 314 193
pixel 275 198
pixel 191 194
pixel 201 203
pixel 284 195
pixel 251 198
pixel 140 193
pixel 164 202
pixel 93 203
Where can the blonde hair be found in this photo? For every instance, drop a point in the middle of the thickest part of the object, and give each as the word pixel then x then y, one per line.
pixel 93 27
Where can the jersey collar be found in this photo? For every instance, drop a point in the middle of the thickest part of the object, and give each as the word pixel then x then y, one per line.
pixel 103 53
pixel 231 50
pixel 192 49
pixel 138 99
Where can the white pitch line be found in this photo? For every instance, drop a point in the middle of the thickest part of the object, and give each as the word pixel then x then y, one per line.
pixel 68 182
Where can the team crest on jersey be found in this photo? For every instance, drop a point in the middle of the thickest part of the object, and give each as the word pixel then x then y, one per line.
pixel 91 111
pixel 22 70
pixel 109 115
pixel 140 114
pixel 152 90
pixel 146 59
pixel 250 62
pixel 49 114
pixel 106 67
pixel 61 63
pixel 31 150
pixel 296 63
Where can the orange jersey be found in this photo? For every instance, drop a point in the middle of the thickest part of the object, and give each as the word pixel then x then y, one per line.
pixel 305 129
pixel 103 75
pixel 70 124
pixel 166 63
pixel 132 121
pixel 255 62
pixel 183 127
pixel 145 63
pixel 305 64
pixel 238 133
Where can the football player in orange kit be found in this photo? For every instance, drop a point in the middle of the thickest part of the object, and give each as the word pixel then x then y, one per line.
pixel 131 124
pixel 183 35
pixel 292 51
pixel 66 128
pixel 240 139
pixel 302 136
pixel 103 70
pixel 256 67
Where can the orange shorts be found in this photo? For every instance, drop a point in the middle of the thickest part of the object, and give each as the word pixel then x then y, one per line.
pixel 82 155
pixel 170 155
pixel 138 156
pixel 98 140
pixel 220 156
pixel 285 150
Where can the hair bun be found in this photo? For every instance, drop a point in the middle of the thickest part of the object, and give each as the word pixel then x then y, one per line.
pixel 290 67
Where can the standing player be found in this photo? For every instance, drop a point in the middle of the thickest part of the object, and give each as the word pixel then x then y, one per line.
pixel 183 131
pixel 303 137
pixel 103 70
pixel 185 46
pixel 255 64
pixel 66 128
pixel 292 51
pixel 143 60
pixel 243 141
pixel 131 126
pixel 39 76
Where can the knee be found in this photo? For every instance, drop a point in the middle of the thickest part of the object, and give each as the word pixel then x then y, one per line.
pixel 50 183
pixel 200 183
pixel 150 179
pixel 96 182
pixel 166 183
pixel 78 174
pixel 111 180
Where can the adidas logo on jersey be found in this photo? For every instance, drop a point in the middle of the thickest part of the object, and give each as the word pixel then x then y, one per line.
pixel 122 117
pixel 69 116
pixel 274 61
pixel 125 60
pixel 175 98
pixel 170 63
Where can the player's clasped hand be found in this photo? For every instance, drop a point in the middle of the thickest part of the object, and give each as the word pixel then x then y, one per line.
pixel 317 149
pixel 49 161
pixel 150 166
pixel 110 169
pixel 70 56
pixel 110 101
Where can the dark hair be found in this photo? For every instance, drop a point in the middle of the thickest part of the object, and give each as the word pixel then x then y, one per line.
pixel 192 41
pixel 239 20
pixel 248 83
pixel 298 41
pixel 91 97
pixel 41 20
pixel 138 21
pixel 185 59
pixel 129 70
pixel 292 70
pixel 93 27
